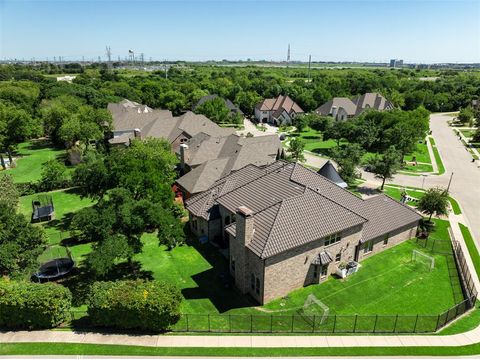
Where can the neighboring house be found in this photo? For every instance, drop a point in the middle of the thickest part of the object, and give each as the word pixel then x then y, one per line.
pixel 277 111
pixel 284 226
pixel 233 109
pixel 205 159
pixel 133 120
pixel 342 108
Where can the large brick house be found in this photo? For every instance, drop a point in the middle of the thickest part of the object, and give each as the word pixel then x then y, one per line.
pixel 277 111
pixel 286 226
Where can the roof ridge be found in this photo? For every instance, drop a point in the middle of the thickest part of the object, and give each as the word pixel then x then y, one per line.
pixel 280 203
pixel 256 179
pixel 394 200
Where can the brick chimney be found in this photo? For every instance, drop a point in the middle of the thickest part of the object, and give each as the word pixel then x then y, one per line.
pixel 245 227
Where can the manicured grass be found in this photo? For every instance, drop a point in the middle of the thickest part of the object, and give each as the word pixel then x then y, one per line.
pixel 464 324
pixel 66 202
pixel 472 249
pixel 420 167
pixel 32 155
pixel 438 159
pixel 421 154
pixel 106 349
pixel 467 133
pixel 387 283
pixel 455 206
pixel 396 192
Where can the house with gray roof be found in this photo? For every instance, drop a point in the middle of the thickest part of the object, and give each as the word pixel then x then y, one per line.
pixel 277 111
pixel 284 226
pixel 133 120
pixel 205 159
pixel 342 108
pixel 230 105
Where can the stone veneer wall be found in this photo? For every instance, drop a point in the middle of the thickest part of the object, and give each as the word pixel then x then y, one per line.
pixel 291 270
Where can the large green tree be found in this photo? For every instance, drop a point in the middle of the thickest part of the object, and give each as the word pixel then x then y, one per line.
pixel 348 158
pixel 434 201
pixel 386 165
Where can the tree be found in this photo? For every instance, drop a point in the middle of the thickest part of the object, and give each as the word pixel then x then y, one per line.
pixel 434 201
pixel 348 157
pixel 338 130
pixel 295 149
pixel 54 175
pixel 465 115
pixel 385 166
pixel 170 230
pixel 301 122
pixel 247 100
pixel 9 191
pixel 215 109
pixel 108 252
pixel 476 136
pixel 320 123
pixel 20 242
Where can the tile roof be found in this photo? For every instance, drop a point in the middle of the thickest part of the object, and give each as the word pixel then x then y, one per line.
pixel 294 205
pixel 322 258
pixel 236 152
pixel 278 105
pixel 356 105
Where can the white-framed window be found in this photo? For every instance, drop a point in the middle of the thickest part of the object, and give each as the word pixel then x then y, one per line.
pixel 338 257
pixel 332 239
pixel 324 271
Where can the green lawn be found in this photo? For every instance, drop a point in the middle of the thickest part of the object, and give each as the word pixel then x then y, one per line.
pixel 455 206
pixel 467 133
pixel 472 249
pixel 396 192
pixel 66 202
pixel 438 159
pixel 31 157
pixel 421 154
pixel 420 167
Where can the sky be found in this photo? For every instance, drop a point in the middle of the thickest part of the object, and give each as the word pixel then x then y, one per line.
pixel 375 31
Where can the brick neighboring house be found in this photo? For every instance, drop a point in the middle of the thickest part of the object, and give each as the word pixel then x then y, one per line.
pixel 286 226
pixel 277 111
pixel 342 108
pixel 133 120
pixel 204 159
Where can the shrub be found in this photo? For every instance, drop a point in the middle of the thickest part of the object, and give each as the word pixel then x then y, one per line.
pixel 25 305
pixel 138 304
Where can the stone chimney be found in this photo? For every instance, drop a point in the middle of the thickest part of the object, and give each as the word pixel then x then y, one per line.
pixel 184 156
pixel 137 134
pixel 245 225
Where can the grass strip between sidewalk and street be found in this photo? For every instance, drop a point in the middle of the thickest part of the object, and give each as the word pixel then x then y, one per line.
pixel 472 249
pixel 108 349
pixel 438 159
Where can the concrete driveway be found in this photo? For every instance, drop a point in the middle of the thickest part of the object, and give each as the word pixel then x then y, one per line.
pixel 250 127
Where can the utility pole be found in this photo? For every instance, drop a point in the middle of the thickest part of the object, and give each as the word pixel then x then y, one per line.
pixel 141 58
pixel 309 66
pixel 165 68
pixel 108 52
pixel 288 55
pixel 449 182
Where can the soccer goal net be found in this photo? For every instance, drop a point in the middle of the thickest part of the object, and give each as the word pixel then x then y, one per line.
pixel 314 307
pixel 420 257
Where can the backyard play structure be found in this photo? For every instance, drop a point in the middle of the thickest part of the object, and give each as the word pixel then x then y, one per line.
pixel 56 268
pixel 43 209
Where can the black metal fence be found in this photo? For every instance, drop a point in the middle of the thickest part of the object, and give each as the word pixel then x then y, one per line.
pixel 300 323
pixel 440 246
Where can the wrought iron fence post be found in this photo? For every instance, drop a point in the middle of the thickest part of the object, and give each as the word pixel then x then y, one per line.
pixel 208 322
pixel 186 316
pixel 271 323
pixel 355 324
pixel 438 322
pixel 395 324
pixel 251 323
pixel 293 317
pixel 415 326
pixel 313 326
pixel 230 323
pixel 375 325
pixel 334 323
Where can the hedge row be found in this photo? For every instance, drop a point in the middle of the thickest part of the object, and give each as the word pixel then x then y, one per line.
pixel 25 305
pixel 139 304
